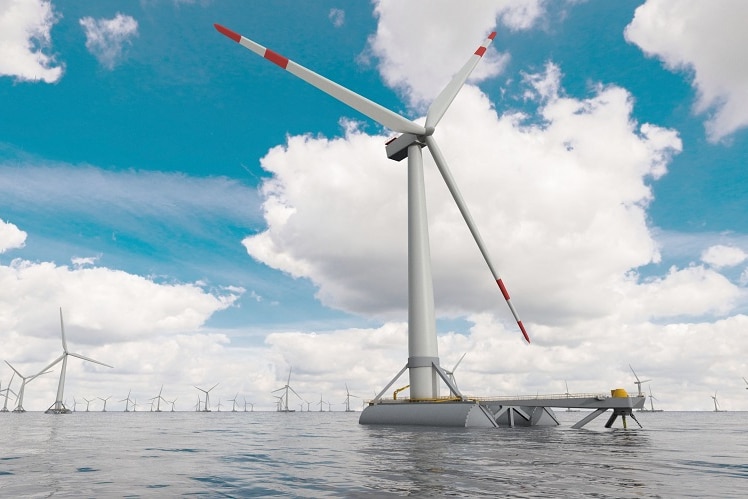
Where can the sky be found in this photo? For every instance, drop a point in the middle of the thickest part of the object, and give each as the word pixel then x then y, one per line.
pixel 202 216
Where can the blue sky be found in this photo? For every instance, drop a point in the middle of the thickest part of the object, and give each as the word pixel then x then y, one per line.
pixel 204 215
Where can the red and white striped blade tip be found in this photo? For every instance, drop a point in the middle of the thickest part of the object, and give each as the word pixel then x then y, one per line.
pixel 524 333
pixel 228 33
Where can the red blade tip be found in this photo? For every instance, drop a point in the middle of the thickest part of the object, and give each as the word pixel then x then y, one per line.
pixel 522 328
pixel 227 32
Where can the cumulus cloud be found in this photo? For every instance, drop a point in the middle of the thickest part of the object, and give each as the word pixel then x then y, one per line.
pixel 25 41
pixel 561 206
pixel 113 305
pixel 106 38
pixel 11 237
pixel 719 256
pixel 414 71
pixel 705 41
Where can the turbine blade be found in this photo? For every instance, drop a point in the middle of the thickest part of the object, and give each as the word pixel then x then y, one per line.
pixel 445 98
pixel 89 359
pixel 378 113
pixel 58 359
pixel 14 369
pixel 458 362
pixel 453 189
pixel 632 370
pixel 62 330
pixel 296 393
pixel 214 386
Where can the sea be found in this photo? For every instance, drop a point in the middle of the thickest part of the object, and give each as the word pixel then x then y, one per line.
pixel 328 454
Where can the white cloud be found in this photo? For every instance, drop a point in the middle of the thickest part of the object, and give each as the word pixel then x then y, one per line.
pixel 11 237
pixel 451 33
pixel 131 197
pixel 113 305
pixel 706 40
pixel 337 17
pixel 106 38
pixel 25 40
pixel 719 256
pixel 561 206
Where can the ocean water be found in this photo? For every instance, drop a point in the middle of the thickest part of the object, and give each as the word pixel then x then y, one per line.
pixel 328 454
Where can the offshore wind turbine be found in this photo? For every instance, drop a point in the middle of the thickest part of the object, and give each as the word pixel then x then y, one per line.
pixel 104 400
pixel 126 401
pixel 7 391
pixel 348 399
pixel 287 387
pixel 59 407
pixel 233 406
pixel 423 357
pixel 88 402
pixel 639 382
pixel 206 408
pixel 24 381
pixel 158 399
pixel 716 404
pixel 451 373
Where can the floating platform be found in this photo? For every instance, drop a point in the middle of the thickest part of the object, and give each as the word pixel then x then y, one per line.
pixel 492 412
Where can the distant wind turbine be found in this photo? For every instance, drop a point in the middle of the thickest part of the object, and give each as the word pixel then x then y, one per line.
pixel 287 387
pixel 158 398
pixel 451 374
pixel 24 381
pixel 206 408
pixel 104 400
pixel 639 382
pixel 59 407
pixel 126 401
pixel 348 399
pixel 716 404
pixel 88 402
pixel 7 391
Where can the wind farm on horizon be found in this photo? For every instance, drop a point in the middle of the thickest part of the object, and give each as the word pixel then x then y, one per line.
pixel 426 376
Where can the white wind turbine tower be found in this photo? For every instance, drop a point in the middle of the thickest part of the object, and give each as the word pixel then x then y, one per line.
pixel 126 401
pixel 24 381
pixel 348 399
pixel 451 374
pixel 7 391
pixel 58 407
pixel 284 399
pixel 206 408
pixel 639 382
pixel 716 404
pixel 423 357
pixel 104 400
pixel 88 402
pixel 233 405
pixel 158 399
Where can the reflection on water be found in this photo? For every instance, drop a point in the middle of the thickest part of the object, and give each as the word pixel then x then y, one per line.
pixel 331 455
